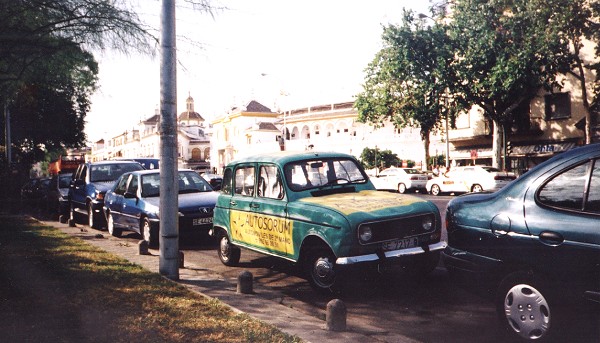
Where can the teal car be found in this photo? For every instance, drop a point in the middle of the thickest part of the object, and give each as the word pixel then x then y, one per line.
pixel 320 210
pixel 536 244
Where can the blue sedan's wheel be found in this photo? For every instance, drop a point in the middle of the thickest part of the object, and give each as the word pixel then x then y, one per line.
pixel 111 226
pixel 150 233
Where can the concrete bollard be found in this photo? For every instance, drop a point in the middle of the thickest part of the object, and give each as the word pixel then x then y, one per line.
pixel 245 280
pixel 143 248
pixel 72 222
pixel 181 258
pixel 336 315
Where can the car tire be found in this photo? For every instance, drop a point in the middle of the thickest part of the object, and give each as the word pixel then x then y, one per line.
pixel 110 225
pixel 72 215
pixel 93 221
pixel 476 188
pixel 149 233
pixel 228 253
pixel 524 309
pixel 435 190
pixel 401 188
pixel 321 271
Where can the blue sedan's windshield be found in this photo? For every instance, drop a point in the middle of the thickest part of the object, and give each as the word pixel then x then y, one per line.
pixel 188 181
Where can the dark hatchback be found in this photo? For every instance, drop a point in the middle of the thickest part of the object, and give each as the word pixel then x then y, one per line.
pixel 133 204
pixel 537 242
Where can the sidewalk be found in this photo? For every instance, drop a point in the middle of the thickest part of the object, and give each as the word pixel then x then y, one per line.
pixel 264 304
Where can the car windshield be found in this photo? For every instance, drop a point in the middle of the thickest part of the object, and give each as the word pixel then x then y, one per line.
pixel 316 173
pixel 189 182
pixel 64 181
pixel 411 171
pixel 491 169
pixel 111 172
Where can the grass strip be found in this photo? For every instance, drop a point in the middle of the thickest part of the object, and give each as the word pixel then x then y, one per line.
pixel 57 288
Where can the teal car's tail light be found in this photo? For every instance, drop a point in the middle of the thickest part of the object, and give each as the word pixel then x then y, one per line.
pixel 365 233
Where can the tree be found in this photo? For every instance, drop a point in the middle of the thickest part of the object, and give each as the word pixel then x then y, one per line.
pixel 573 21
pixel 47 72
pixel 381 159
pixel 408 79
pixel 504 56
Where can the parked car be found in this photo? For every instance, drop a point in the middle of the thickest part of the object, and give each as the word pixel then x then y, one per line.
pixel 32 190
pixel 90 182
pixel 463 179
pixel 537 240
pixel 133 204
pixel 57 196
pixel 214 180
pixel 321 211
pixel 400 179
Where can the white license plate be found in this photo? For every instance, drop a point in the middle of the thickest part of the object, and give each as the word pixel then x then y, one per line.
pixel 400 244
pixel 202 221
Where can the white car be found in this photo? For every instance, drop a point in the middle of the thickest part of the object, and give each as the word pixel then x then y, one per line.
pixel 400 179
pixel 470 179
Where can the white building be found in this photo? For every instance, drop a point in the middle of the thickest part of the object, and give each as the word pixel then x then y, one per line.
pixel 193 140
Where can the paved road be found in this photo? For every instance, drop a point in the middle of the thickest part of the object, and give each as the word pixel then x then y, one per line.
pixel 389 307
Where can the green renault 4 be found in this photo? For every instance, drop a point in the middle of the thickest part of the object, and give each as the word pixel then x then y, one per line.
pixel 321 210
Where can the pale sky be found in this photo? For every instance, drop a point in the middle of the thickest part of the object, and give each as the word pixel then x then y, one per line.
pixel 313 50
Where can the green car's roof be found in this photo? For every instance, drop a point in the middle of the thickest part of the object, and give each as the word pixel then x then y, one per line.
pixel 284 157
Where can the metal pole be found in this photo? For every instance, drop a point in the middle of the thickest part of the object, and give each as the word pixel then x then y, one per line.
pixel 169 187
pixel 447 145
pixel 8 141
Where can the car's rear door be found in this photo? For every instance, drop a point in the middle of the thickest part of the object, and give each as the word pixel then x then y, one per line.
pixel 242 215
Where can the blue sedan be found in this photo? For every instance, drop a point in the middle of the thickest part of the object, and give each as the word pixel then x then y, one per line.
pixel 538 241
pixel 133 204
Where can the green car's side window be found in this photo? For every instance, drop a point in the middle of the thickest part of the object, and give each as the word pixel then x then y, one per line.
pixel 244 181
pixel 227 179
pixel 269 182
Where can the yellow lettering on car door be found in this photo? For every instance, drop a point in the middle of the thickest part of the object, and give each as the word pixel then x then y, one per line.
pixel 263 231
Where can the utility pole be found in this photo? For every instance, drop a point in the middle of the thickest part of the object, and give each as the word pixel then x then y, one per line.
pixel 8 135
pixel 169 187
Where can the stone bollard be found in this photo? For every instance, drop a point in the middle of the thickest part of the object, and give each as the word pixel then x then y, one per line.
pixel 72 222
pixel 244 284
pixel 181 258
pixel 143 248
pixel 336 315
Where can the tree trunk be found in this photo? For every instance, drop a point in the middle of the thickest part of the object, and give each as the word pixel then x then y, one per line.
pixel 426 141
pixel 497 145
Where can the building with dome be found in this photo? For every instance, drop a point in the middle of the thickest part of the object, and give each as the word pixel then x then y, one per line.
pixel 193 148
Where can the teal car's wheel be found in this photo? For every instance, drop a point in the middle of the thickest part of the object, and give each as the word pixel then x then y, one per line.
pixel 524 309
pixel 321 271
pixel 228 253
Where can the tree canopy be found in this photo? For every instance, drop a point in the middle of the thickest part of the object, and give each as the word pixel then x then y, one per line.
pixel 495 54
pixel 407 81
pixel 47 69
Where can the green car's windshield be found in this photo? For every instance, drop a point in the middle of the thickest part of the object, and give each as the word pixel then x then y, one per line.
pixel 317 173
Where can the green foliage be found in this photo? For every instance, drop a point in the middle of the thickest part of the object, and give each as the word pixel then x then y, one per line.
pixel 407 80
pixel 47 72
pixel 371 158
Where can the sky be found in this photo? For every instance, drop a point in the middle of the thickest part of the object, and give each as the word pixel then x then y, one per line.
pixel 284 54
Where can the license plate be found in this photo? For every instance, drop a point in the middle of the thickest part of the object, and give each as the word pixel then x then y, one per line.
pixel 202 221
pixel 400 244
